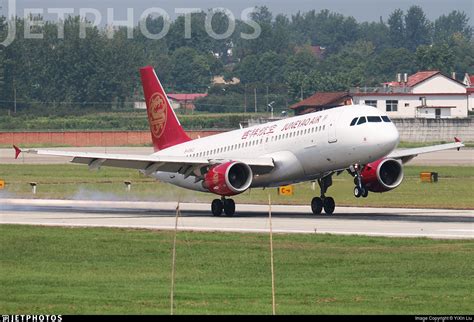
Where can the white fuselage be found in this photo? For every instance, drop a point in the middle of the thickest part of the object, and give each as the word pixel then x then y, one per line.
pixel 303 148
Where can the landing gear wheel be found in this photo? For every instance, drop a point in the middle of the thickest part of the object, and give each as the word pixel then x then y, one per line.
pixel 229 207
pixel 365 192
pixel 317 205
pixel 329 205
pixel 357 192
pixel 216 207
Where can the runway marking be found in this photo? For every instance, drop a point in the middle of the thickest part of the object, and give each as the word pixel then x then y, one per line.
pixel 460 230
pixel 248 230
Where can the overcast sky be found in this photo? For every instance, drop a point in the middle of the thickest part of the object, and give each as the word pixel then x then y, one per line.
pixel 362 10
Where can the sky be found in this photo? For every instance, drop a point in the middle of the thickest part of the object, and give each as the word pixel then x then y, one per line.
pixel 362 10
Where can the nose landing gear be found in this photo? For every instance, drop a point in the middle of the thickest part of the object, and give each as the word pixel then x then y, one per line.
pixel 323 202
pixel 359 190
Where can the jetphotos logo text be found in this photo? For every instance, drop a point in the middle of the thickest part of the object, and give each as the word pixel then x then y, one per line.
pixel 90 18
pixel 31 318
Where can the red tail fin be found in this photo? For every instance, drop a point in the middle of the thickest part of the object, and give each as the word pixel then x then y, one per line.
pixel 166 130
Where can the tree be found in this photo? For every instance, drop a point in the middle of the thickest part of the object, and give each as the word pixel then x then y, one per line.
pixel 191 71
pixel 418 28
pixel 391 61
pixel 302 61
pixel 445 27
pixel 437 57
pixel 378 33
pixel 327 29
pixel 396 28
pixel 463 51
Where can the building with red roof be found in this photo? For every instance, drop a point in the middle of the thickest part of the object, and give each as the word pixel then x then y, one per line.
pixel 185 101
pixel 425 94
pixel 321 101
pixel 469 82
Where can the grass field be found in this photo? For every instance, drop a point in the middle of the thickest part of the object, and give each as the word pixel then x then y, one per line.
pixel 98 270
pixel 455 188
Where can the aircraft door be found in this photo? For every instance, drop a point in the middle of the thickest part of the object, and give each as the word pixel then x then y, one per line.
pixel 332 135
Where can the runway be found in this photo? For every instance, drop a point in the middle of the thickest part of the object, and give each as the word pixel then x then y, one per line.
pixel 391 222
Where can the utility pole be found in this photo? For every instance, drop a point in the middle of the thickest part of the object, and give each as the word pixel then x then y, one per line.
pixel 245 99
pixel 255 98
pixel 267 98
pixel 302 92
pixel 14 96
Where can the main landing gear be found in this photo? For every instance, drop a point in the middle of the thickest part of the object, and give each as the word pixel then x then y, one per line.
pixel 226 205
pixel 323 202
pixel 359 190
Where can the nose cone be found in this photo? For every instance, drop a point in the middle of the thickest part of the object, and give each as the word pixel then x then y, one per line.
pixel 388 138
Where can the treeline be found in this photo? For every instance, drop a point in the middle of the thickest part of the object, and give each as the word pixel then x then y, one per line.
pixel 100 72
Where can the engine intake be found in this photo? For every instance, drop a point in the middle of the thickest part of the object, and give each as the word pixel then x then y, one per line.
pixel 382 175
pixel 228 179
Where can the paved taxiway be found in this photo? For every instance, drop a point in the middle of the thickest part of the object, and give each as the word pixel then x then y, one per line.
pixel 394 222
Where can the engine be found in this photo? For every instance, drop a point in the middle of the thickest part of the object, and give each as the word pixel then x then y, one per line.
pixel 382 175
pixel 228 179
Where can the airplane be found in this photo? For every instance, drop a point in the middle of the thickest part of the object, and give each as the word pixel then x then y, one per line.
pixel 359 139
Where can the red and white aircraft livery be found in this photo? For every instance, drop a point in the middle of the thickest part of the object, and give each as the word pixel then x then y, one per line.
pixel 312 147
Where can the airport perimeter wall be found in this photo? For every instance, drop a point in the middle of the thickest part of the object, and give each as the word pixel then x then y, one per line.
pixel 411 130
pixel 431 130
pixel 87 138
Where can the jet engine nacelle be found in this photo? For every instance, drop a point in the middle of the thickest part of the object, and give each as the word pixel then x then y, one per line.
pixel 382 175
pixel 228 179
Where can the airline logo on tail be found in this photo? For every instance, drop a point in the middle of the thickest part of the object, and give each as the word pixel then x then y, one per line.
pixel 157 114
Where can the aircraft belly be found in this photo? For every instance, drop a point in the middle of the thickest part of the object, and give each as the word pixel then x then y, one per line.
pixel 287 170
pixel 179 180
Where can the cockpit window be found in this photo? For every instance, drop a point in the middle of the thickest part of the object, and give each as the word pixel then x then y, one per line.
pixel 361 120
pixel 354 121
pixel 374 119
pixel 386 119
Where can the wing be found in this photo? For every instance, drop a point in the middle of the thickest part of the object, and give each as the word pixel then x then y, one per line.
pixel 151 163
pixel 407 154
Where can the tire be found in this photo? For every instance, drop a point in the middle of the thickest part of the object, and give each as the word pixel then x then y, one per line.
pixel 329 205
pixel 216 207
pixel 229 207
pixel 357 192
pixel 317 206
pixel 365 192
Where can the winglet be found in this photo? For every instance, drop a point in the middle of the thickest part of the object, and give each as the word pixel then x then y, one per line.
pixel 17 151
pixel 457 140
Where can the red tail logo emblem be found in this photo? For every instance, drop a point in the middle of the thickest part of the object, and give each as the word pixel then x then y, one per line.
pixel 157 114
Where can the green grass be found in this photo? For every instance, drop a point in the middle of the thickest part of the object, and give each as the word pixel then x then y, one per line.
pixel 455 188
pixel 406 145
pixel 53 270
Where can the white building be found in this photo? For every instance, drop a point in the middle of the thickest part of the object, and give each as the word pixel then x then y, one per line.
pixel 426 94
pixel 469 82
